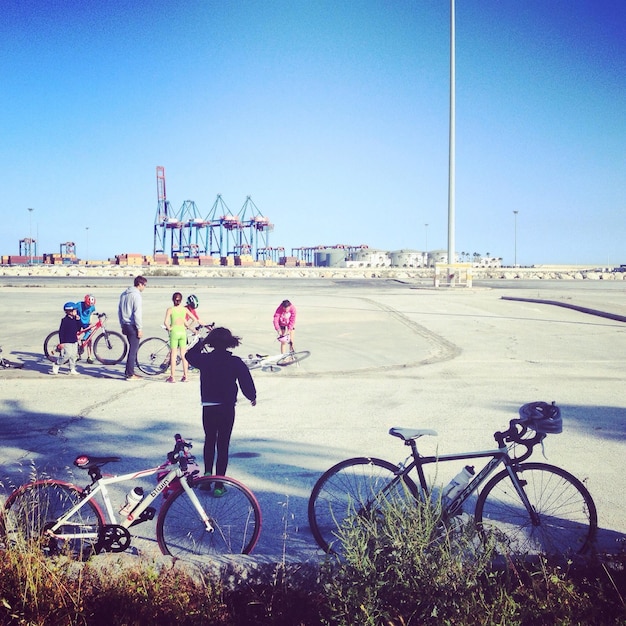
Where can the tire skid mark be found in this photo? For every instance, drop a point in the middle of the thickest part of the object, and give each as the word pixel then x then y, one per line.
pixel 443 350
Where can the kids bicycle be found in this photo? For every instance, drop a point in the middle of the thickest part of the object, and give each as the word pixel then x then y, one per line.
pixel 192 520
pixel 109 346
pixel 153 354
pixel 275 363
pixel 530 508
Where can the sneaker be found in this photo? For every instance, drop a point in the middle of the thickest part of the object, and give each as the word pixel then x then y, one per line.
pixel 55 370
pixel 219 491
pixel 134 377
pixel 74 373
pixel 183 379
pixel 90 361
pixel 170 380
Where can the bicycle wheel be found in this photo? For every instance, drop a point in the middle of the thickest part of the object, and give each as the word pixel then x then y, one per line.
pixel 235 517
pixel 293 357
pixel 50 346
pixel 33 508
pixel 153 356
pixel 110 348
pixel 566 518
pixel 354 487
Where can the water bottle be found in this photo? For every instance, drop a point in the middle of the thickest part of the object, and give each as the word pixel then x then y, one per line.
pixel 133 498
pixel 458 483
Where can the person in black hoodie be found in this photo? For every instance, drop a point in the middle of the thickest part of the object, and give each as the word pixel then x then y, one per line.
pixel 220 373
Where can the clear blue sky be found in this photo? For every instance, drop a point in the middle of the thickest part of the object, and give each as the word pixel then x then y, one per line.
pixel 332 115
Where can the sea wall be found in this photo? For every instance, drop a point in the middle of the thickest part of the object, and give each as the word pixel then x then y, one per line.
pixel 424 275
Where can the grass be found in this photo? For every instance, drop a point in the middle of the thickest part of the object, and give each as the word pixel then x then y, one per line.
pixel 397 569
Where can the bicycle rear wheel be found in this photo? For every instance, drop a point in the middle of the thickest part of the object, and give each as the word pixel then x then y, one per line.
pixel 293 357
pixel 50 346
pixel 235 517
pixel 153 356
pixel 110 348
pixel 566 518
pixel 33 509
pixel 352 488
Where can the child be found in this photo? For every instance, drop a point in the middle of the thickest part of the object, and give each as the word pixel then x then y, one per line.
pixel 285 324
pixel 176 324
pixel 86 309
pixel 68 338
pixel 220 371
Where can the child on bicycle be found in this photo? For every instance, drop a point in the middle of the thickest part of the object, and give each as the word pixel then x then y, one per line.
pixel 68 338
pixel 86 309
pixel 220 372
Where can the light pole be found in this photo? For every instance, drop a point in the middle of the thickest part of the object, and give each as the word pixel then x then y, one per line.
pixel 515 238
pixel 87 245
pixel 426 251
pixel 30 234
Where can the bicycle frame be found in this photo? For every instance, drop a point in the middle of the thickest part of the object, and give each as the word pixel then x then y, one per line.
pixel 135 515
pixel 499 456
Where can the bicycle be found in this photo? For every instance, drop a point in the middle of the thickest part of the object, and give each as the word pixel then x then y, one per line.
pixel 66 519
pixel 153 354
pixel 109 346
pixel 6 364
pixel 275 363
pixel 527 507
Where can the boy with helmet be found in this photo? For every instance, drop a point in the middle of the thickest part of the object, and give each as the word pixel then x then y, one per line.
pixel 192 305
pixel 68 338
pixel 86 309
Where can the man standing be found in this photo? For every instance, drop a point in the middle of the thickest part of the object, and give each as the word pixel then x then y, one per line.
pixel 129 313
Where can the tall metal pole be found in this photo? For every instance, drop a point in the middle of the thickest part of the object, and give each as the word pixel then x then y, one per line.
pixel 30 235
pixel 451 162
pixel 426 252
pixel 515 238
pixel 87 246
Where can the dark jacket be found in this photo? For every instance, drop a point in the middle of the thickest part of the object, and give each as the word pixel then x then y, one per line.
pixel 220 371
pixel 69 329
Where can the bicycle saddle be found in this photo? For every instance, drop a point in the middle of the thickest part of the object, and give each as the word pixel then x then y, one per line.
pixel 84 461
pixel 407 434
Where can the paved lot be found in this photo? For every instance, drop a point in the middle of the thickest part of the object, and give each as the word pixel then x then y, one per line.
pixel 384 354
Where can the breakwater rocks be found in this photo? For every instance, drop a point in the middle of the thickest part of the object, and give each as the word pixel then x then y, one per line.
pixel 422 275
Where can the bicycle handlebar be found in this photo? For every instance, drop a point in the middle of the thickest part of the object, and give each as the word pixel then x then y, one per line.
pixel 178 455
pixel 515 434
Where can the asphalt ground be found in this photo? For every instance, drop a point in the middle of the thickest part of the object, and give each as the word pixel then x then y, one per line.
pixel 384 353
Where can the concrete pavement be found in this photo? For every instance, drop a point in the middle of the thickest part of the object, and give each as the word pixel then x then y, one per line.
pixel 384 353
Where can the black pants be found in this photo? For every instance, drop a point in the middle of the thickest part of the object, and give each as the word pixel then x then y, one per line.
pixel 218 422
pixel 130 330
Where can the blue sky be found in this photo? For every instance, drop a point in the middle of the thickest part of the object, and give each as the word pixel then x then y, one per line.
pixel 331 115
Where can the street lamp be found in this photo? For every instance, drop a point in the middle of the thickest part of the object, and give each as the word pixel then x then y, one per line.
pixel 30 234
pixel 515 238
pixel 87 245
pixel 426 251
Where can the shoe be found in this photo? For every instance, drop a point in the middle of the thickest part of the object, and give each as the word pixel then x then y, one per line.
pixel 219 491
pixel 90 361
pixel 170 380
pixel 55 370
pixel 183 379
pixel 74 373
pixel 134 377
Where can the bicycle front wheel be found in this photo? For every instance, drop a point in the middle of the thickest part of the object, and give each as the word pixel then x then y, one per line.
pixel 110 348
pixel 293 357
pixel 353 488
pixel 153 356
pixel 50 346
pixel 563 520
pixel 234 514
pixel 33 509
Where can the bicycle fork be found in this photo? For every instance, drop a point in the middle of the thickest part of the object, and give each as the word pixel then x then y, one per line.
pixel 519 485
pixel 196 504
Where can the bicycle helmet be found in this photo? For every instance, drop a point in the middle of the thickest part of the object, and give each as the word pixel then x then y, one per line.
pixel 89 300
pixel 193 302
pixel 542 417
pixel 70 306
